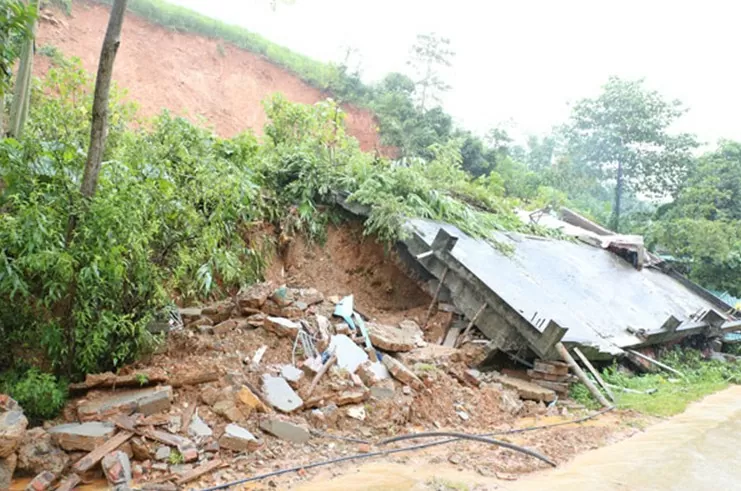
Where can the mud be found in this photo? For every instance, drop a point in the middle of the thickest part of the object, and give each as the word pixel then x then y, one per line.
pixel 187 74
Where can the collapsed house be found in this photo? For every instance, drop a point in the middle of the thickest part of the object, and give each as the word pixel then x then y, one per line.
pixel 596 290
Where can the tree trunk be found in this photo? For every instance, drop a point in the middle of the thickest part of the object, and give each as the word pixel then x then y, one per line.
pixel 22 88
pixel 99 128
pixel 615 220
pixel 100 103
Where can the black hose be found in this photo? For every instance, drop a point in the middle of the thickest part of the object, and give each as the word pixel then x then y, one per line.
pixel 479 438
pixel 457 436
pixel 412 436
pixel 398 450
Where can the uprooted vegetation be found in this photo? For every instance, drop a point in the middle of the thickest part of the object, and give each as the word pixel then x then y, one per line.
pixel 181 214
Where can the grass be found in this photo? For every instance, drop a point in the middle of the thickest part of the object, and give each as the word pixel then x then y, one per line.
pixel 673 394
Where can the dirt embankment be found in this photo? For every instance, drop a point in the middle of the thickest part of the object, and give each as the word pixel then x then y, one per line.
pixel 188 74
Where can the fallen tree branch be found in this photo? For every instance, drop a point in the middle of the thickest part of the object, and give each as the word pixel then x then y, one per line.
pixel 331 361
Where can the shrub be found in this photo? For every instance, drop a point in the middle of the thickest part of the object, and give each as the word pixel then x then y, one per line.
pixel 40 394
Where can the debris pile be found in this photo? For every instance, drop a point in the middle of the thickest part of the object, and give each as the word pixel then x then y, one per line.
pixel 274 373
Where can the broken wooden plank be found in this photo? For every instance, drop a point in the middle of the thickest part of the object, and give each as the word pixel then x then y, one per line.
pixel 195 379
pixel 87 462
pixel 331 361
pixel 580 373
pixel 140 378
pixel 199 471
pixel 462 337
pixel 656 362
pixel 434 298
pixel 594 372
pixel 452 337
pixel 166 438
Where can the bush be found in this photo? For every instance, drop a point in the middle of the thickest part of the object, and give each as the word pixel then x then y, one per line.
pixel 40 394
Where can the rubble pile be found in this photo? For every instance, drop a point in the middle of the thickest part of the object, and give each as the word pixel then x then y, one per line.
pixel 276 374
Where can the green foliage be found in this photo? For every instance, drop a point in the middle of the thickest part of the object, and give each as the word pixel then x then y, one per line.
pixel 51 51
pixel 702 226
pixel 175 457
pixel 673 394
pixel 64 5
pixel 40 394
pixel 173 212
pixel 16 19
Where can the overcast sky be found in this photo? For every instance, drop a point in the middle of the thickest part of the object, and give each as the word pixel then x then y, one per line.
pixel 521 62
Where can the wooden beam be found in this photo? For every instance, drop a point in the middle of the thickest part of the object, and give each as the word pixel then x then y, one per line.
pixel 434 298
pixel 87 462
pixel 655 362
pixel 462 337
pixel 580 373
pixel 594 372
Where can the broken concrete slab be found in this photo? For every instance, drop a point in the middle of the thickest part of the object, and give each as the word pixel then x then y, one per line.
pixel 146 401
pixel 13 426
pixel 349 354
pixel 82 436
pixel 198 428
pixel 371 373
pixel 279 394
pixel 285 430
pixel 390 338
pixel 239 439
pixel 162 453
pixel 281 326
pixel 38 453
pixel 402 373
pixel 117 468
pixel 526 390
pixel 292 375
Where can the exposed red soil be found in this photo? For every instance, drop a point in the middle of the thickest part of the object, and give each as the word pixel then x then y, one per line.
pixel 349 263
pixel 187 75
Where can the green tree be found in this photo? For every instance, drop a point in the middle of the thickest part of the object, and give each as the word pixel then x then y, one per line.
pixel 701 227
pixel 623 136
pixel 430 54
pixel 16 19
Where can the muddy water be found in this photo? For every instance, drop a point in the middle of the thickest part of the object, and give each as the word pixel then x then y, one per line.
pixel 696 450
